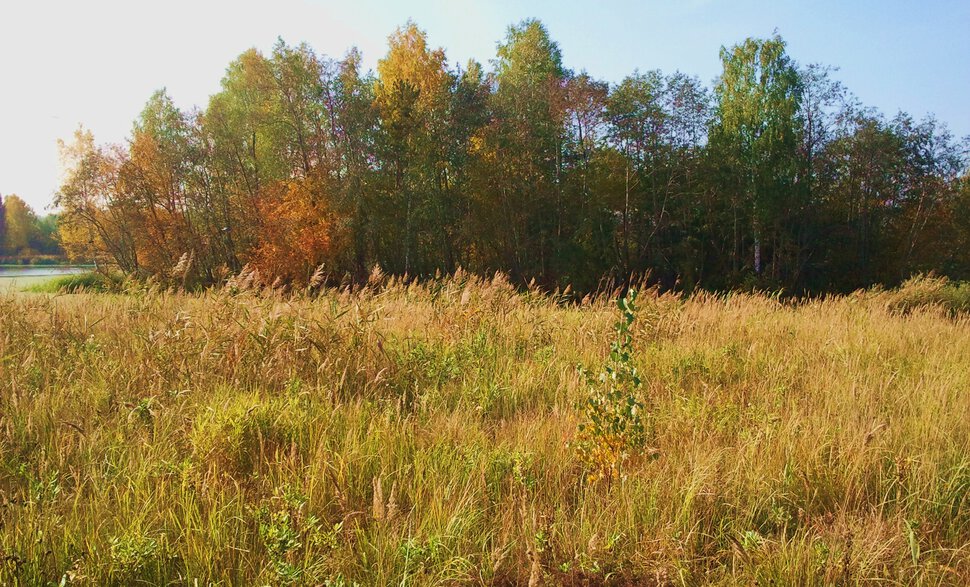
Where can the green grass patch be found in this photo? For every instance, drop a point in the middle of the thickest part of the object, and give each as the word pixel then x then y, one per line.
pixel 79 282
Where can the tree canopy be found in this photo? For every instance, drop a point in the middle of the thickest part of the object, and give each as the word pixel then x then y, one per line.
pixel 23 234
pixel 774 177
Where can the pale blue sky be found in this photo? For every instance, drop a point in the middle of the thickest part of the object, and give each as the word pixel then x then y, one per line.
pixel 96 62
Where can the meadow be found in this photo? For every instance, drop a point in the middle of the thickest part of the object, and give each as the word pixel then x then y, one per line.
pixel 427 434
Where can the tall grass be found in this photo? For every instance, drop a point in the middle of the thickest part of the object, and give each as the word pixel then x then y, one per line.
pixel 91 282
pixel 931 291
pixel 425 434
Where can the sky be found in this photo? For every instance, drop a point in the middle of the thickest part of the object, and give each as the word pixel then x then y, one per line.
pixel 68 63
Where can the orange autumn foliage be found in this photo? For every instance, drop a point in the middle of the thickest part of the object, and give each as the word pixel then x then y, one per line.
pixel 296 234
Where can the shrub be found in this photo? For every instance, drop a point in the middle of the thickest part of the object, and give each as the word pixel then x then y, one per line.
pixel 613 425
pixel 295 540
pixel 135 557
pixel 927 291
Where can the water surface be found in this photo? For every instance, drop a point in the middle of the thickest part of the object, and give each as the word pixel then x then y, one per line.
pixel 19 277
pixel 14 271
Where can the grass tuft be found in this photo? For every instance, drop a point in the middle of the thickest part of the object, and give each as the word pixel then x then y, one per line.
pixel 928 291
pixel 76 283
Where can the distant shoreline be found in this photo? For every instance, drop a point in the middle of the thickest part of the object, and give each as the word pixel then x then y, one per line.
pixel 43 261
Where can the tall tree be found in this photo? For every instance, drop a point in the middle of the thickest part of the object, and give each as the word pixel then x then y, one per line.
pixel 757 132
pixel 349 99
pixel 933 163
pixel 98 218
pixel 521 155
pixel 412 97
pixel 868 166
pixel 20 223
pixel 156 177
pixel 247 153
pixel 468 115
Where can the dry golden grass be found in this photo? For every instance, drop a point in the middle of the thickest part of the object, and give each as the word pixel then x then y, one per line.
pixel 421 435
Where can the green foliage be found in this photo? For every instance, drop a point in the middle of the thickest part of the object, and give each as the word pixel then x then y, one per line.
pixel 281 537
pixel 81 282
pixel 419 555
pixel 614 427
pixel 757 135
pixel 296 541
pixel 134 557
pixel 23 235
pixel 304 168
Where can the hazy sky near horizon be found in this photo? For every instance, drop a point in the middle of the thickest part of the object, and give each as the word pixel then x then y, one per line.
pixel 65 63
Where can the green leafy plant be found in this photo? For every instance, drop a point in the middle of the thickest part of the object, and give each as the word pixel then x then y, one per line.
pixel 134 555
pixel 281 537
pixel 613 426
pixel 294 539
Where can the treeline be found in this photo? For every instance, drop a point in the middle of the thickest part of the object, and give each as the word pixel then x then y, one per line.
pixel 775 177
pixel 24 236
